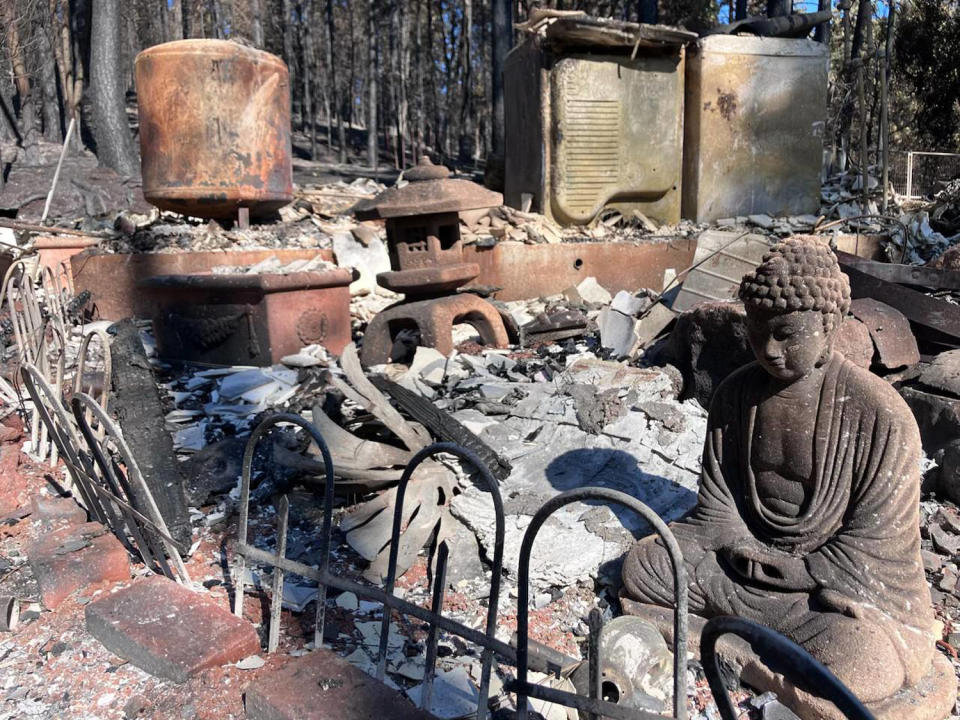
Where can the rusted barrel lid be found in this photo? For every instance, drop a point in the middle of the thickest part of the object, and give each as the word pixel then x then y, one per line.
pixel 430 190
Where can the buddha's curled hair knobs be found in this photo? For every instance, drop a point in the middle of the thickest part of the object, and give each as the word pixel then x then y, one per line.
pixel 798 274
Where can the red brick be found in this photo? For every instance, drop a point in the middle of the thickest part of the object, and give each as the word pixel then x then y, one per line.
pixel 56 510
pixel 168 630
pixel 323 686
pixel 75 557
pixel 14 484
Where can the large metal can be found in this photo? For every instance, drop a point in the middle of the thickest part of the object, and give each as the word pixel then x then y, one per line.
pixel 214 128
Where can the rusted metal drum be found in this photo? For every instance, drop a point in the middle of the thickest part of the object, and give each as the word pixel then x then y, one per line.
pixel 214 128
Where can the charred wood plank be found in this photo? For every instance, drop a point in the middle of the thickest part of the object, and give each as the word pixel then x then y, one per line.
pixel 923 310
pixel 905 274
pixel 135 402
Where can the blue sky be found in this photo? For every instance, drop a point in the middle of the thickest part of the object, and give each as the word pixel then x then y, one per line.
pixel 811 6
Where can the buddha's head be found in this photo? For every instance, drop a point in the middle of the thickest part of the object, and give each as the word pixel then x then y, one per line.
pixel 795 301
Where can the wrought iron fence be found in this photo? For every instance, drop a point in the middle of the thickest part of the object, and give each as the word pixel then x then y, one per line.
pixel 104 472
pixel 767 643
pixel 917 174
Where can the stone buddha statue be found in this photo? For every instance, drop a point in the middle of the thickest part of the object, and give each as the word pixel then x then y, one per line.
pixel 807 518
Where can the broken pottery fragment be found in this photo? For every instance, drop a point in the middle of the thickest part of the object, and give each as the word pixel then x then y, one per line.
pixel 807 518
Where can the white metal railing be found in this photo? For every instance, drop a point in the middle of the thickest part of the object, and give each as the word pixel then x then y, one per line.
pixel 926 169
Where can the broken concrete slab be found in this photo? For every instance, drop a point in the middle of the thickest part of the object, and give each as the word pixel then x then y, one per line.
pixel 168 630
pixel 454 694
pixel 653 323
pixel 617 332
pixel 591 291
pixel 853 342
pixel 428 363
pixel 74 558
pixel 629 304
pixel 322 686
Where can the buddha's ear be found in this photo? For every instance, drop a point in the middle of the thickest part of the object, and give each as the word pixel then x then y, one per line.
pixel 831 324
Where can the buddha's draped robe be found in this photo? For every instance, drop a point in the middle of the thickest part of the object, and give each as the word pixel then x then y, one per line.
pixel 858 534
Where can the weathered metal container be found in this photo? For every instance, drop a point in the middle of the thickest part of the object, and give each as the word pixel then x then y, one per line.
pixel 249 319
pixel 113 280
pixel 214 128
pixel 755 114
pixel 589 126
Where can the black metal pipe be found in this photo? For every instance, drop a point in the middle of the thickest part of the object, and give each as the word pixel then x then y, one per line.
pixel 326 530
pixel 470 457
pixel 436 607
pixel 772 646
pixel 679 612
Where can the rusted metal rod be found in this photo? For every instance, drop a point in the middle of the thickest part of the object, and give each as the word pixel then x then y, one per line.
pixel 50 230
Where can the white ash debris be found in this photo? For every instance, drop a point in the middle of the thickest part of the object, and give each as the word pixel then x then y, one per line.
pixel 171 233
pixel 565 422
pixel 486 228
pixel 275 266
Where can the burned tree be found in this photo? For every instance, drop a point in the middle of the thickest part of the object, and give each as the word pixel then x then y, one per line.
pixel 107 90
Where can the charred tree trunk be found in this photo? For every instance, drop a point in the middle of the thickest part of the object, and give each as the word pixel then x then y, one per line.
pixel 418 139
pixel 216 12
pixel 403 105
pixel 822 33
pixel 256 22
pixel 342 156
pixel 48 87
pixel 467 145
pixel 288 58
pixel 372 87
pixel 778 8
pixel 68 64
pixel 107 93
pixel 174 20
pixel 864 16
pixel 136 405
pixel 647 11
pixel 21 80
pixel 502 40
pixel 309 72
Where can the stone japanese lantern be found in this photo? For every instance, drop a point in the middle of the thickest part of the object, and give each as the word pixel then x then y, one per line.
pixel 426 254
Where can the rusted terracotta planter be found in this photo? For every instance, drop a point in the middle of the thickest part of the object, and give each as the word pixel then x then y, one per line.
pixel 54 249
pixel 214 128
pixel 249 319
pixel 6 260
pixel 113 279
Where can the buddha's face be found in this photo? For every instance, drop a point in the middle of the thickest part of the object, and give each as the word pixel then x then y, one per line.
pixel 788 345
